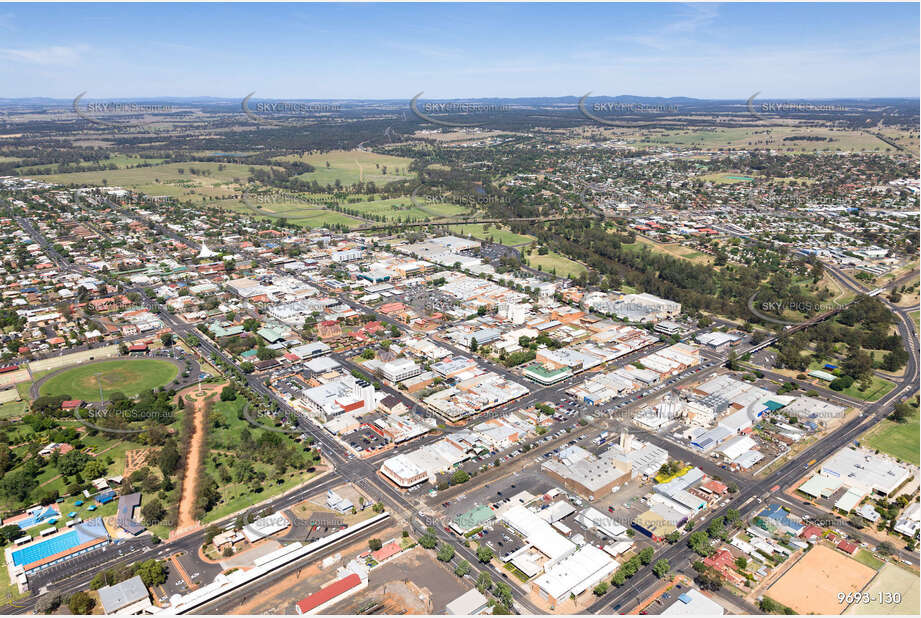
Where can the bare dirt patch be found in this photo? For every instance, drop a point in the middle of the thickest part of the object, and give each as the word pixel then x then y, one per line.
pixel 187 501
pixel 812 585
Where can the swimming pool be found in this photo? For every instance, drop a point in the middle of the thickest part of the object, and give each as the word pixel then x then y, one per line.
pixel 39 551
pixel 37 518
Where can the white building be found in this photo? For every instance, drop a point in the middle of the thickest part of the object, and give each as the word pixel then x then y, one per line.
pixel 399 370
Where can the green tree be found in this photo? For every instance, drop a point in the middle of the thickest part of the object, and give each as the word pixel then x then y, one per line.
pixel 661 567
pixel 484 554
pixel 462 569
pixel 375 544
pixel 445 552
pixel 81 603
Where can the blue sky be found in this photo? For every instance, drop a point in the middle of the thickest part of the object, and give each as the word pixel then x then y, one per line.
pixel 347 51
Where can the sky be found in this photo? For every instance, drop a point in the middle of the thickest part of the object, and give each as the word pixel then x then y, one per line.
pixel 393 51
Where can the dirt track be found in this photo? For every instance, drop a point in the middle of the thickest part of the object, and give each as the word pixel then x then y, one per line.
pixel 186 516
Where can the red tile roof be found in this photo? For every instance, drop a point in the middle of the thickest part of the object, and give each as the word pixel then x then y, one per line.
pixel 328 593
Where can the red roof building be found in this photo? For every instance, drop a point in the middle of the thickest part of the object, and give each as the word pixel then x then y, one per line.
pixel 138 347
pixel 811 533
pixel 71 404
pixel 722 562
pixel 387 551
pixel 847 547
pixel 330 592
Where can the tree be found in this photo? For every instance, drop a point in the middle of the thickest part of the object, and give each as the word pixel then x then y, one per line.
pixel 619 578
pixel 462 569
pixel 661 567
pixel 473 344
pixel 646 555
pixel 445 552
pixel 885 548
pixel 741 563
pixel 47 603
pixel 673 537
pixel 459 476
pixel 483 582
pixel 81 603
pixel 601 589
pixel 166 339
pixel 153 512
pixel 152 572
pixel 700 543
pixel 375 544
pixel 10 532
pixel 428 540
pixel 229 393
pixel 484 554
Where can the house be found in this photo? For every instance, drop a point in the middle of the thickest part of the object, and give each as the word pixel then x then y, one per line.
pixel 811 533
pixel 848 547
pixel 722 561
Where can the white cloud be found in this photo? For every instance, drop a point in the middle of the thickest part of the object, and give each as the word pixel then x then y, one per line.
pixel 47 56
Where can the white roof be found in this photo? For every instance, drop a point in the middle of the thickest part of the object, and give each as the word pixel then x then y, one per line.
pixel 576 573
pixel 693 603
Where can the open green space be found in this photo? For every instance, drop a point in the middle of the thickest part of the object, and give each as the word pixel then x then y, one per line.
pixel 191 180
pixel 350 167
pixel 128 376
pixel 244 481
pixel 12 409
pixel 878 387
pixel 120 161
pixel 900 440
pixel 865 557
pixel 494 233
pixel 556 264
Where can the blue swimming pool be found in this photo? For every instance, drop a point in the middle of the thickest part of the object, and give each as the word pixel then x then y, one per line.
pixel 41 550
pixel 37 518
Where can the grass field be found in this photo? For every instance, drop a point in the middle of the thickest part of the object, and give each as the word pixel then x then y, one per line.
pixel 764 137
pixel 500 235
pixel 216 180
pixel 891 579
pixel 673 249
pixel 878 387
pixel 129 376
pixel 897 439
pixel 352 166
pixel 865 557
pixel 556 264
pixel 916 316
pixel 120 161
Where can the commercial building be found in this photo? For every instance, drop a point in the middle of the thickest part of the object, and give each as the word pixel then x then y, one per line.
pixel 471 603
pixel 693 603
pixel 398 370
pixel 345 394
pixel 578 572
pixel 126 598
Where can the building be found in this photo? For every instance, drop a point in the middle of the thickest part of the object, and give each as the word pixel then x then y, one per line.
pixel 471 603
pixel 399 370
pixel 328 595
pixel 476 517
pixel 693 603
pixel 127 598
pixel 582 570
pixel 346 394
pixel 591 476
pixel 65 544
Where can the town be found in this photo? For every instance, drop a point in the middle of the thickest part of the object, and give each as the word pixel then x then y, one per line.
pixel 455 357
